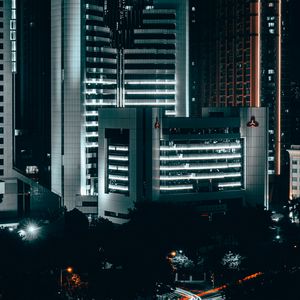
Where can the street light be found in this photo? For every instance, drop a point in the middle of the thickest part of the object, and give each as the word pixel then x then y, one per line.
pixel 29 232
pixel 69 270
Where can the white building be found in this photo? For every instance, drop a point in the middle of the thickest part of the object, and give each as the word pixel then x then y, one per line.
pixel 90 69
pixel 294 189
pixel 212 162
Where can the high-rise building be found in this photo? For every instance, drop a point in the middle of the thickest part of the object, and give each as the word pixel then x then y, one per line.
pixel 32 103
pixel 247 64
pixel 295 113
pixel 20 196
pixel 110 54
pixel 9 202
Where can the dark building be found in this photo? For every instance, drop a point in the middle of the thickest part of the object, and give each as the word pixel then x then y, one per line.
pixel 295 113
pixel 32 104
pixel 201 23
pixel 245 51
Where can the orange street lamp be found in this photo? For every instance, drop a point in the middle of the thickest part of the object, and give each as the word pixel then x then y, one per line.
pixel 69 270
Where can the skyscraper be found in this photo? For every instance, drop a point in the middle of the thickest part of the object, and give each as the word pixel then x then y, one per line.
pixel 110 54
pixel 247 65
pixel 21 196
pixel 9 203
pixel 32 105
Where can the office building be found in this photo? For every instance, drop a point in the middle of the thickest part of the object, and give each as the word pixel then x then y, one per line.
pixel 32 100
pixel 212 162
pixel 110 54
pixel 20 196
pixel 247 64
pixel 295 113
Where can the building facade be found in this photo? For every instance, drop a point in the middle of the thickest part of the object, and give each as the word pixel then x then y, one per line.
pixel 215 161
pixel 32 101
pixel 247 64
pixel 20 196
pixel 109 54
pixel 294 189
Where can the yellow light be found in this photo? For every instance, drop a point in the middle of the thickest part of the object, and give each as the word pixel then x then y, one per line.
pixel 173 253
pixel 69 270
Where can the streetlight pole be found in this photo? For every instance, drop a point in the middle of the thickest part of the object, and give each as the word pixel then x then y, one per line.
pixel 69 270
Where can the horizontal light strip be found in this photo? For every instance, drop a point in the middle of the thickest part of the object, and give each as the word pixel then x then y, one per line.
pixel 229 184
pixel 199 157
pixel 200 147
pixel 204 176
pixel 91 134
pixel 151 92
pixel 150 103
pixel 91 145
pixel 91 124
pixel 120 158
pixel 176 188
pixel 118 187
pixel 102 91
pixel 200 167
pixel 91 113
pixel 170 113
pixel 118 177
pixel 118 168
pixel 118 148
pixel 151 82
pixel 100 81
pixel 100 103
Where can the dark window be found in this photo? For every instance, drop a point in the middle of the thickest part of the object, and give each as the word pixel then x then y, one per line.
pixel 89 204
pixel 109 213
pixel 1 88
pixel 216 114
pixel 1 45
pixel 123 216
pixel 1 130
pixel 1 173
pixel 1 77
pixel 1 24
pixel 1 119
pixel 1 140
pixel 1 35
pixel 1 98
pixel 1 67
pixel 1 151
pixel 115 215
pixel 1 55
pixel 1 162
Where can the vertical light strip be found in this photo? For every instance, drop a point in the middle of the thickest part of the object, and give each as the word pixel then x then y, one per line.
pixel 187 62
pixel 278 104
pixel 255 37
pixel 258 58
